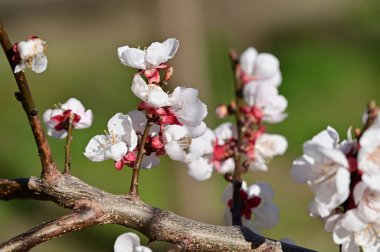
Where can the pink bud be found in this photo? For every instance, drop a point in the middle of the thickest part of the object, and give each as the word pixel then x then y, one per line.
pixel 157 143
pixel 221 111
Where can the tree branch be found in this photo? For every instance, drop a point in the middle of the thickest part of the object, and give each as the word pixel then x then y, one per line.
pixel 18 189
pixel 25 97
pixel 52 229
pixel 155 223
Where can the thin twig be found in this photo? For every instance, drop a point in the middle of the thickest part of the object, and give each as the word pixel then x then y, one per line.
pixel 49 230
pixel 68 144
pixel 237 181
pixel 25 97
pixel 134 188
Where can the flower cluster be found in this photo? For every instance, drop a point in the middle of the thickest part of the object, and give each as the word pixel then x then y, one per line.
pixel 30 53
pixel 345 179
pixel 172 120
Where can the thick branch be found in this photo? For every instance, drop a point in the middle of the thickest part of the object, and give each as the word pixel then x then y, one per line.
pixel 18 189
pixel 156 224
pixel 49 230
pixel 25 97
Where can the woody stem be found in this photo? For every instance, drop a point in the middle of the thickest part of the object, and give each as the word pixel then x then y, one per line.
pixel 237 181
pixel 133 190
pixel 68 144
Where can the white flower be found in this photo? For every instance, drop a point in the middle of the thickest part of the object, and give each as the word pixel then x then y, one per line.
pixel 352 233
pixel 129 242
pixel 189 110
pixel 267 100
pixel 325 168
pixel 30 53
pixel 225 133
pixel 177 142
pixel 262 68
pixel 150 93
pixel 120 139
pixel 56 120
pixel 266 147
pixel 200 155
pixel 156 54
pixel 257 203
pixel 369 157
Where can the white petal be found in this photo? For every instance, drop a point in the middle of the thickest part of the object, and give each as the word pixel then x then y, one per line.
pixel 266 65
pixel 150 161
pixel 302 169
pixel 247 60
pixel 175 152
pixel 200 169
pixel 121 126
pixel 96 148
pixel 129 242
pixel 187 107
pixel 225 131
pixel 204 144
pixel 327 138
pixel 85 120
pixel 158 53
pixel 197 131
pixel 74 105
pixel 116 151
pixel 39 64
pixel 151 94
pixel 331 221
pixel 263 190
pixel 227 166
pixel 132 57
pixel 20 67
pixel 266 216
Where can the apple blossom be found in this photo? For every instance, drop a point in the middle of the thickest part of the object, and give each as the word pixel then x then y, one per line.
pixel 30 53
pixel 56 120
pixel 120 139
pixel 129 242
pixel 260 68
pixel 256 202
pixel 325 168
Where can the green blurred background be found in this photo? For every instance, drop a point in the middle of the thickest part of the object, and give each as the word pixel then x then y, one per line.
pixel 330 57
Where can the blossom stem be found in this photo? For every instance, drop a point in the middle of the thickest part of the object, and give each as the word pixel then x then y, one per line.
pixel 68 144
pixel 25 97
pixel 133 190
pixel 237 181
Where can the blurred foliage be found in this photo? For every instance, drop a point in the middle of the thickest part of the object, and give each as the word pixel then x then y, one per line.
pixel 330 71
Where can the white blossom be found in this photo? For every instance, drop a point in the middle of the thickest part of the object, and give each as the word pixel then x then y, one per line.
pixel 152 94
pixel 266 147
pixel 31 54
pixel 189 110
pixel 177 142
pixel 262 68
pixel 200 155
pixel 56 119
pixel 267 100
pixel 369 157
pixel 325 168
pixel 129 242
pixel 224 133
pixel 258 211
pixel 120 139
pixel 156 54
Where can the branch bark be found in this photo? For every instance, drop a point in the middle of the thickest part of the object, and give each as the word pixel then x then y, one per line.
pixel 25 97
pixel 49 230
pixel 18 189
pixel 157 224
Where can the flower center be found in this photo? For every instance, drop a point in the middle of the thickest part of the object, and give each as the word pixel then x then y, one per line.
pixel 63 120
